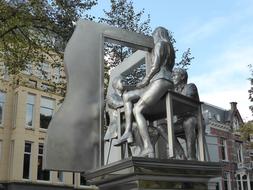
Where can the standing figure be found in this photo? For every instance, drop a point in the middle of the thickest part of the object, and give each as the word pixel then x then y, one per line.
pixel 150 90
pixel 188 120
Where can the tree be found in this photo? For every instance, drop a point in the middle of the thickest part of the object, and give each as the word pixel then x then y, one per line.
pixel 246 131
pixel 33 30
pixel 251 88
pixel 186 59
pixel 123 15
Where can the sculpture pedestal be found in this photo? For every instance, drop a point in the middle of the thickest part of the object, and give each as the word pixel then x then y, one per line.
pixel 145 174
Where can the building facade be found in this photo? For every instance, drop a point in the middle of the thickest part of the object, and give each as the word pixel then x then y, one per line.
pixel 226 146
pixel 27 104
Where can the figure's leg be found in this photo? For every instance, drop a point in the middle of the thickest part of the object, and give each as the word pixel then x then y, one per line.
pixel 128 106
pixel 190 136
pixel 149 98
pixel 178 148
pixel 148 149
pixel 128 99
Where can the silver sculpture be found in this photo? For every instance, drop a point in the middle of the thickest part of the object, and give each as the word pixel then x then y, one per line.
pixel 114 101
pixel 188 121
pixel 75 133
pixel 150 91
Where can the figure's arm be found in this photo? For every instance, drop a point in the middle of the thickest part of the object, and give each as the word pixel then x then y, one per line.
pixel 192 91
pixel 114 102
pixel 155 66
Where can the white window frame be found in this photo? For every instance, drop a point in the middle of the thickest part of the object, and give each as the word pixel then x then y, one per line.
pixel 213 145
pixel 228 179
pixel 3 108
pixel 11 157
pixel 45 71
pixel 30 162
pixel 29 69
pixel 224 144
pixel 33 110
pixel 50 173
pixel 58 179
pixel 57 75
pixel 239 153
pixel 49 108
pixel 1 149
pixel 15 108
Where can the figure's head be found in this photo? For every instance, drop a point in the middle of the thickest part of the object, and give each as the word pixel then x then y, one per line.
pixel 117 83
pixel 180 76
pixel 160 33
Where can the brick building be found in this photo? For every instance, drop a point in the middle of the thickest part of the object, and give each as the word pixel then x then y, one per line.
pixel 226 146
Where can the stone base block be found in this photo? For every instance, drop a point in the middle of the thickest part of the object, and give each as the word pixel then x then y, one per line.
pixel 145 174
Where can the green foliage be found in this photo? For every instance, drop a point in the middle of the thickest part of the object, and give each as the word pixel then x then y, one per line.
pixel 122 15
pixel 246 132
pixel 251 88
pixel 185 59
pixel 33 30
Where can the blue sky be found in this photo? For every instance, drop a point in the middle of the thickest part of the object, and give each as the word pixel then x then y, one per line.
pixel 220 35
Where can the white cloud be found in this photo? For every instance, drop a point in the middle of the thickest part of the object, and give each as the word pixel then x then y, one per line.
pixel 222 98
pixel 226 79
pixel 204 30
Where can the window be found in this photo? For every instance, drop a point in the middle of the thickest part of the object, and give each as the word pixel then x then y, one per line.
pixel 11 155
pixel 245 182
pixel 46 112
pixel 217 117
pixel 30 102
pixel 42 71
pixel 238 182
pixel 223 149
pixel 1 142
pixel 217 186
pixel 28 69
pixel 57 74
pixel 27 160
pixel 239 152
pixel 45 70
pixel 212 145
pixel 251 138
pixel 42 174
pixel 235 123
pixel 226 180
pixel 4 72
pixel 2 100
pixel 82 179
pixel 15 105
pixel 32 83
pixel 46 87
pixel 60 176
pixel 73 178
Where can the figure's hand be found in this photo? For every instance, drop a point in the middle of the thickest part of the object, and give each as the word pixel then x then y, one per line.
pixel 142 84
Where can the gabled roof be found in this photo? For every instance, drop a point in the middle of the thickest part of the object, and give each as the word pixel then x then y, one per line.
pixel 233 112
pixel 218 114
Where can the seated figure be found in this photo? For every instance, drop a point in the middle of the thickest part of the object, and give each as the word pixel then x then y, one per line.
pixel 149 92
pixel 114 101
pixel 188 121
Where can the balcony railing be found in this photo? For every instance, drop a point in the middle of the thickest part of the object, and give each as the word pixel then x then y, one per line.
pixel 248 165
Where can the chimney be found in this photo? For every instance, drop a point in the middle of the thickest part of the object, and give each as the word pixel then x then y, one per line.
pixel 233 105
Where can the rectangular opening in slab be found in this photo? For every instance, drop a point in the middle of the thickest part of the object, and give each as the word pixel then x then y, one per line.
pixel 122 65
